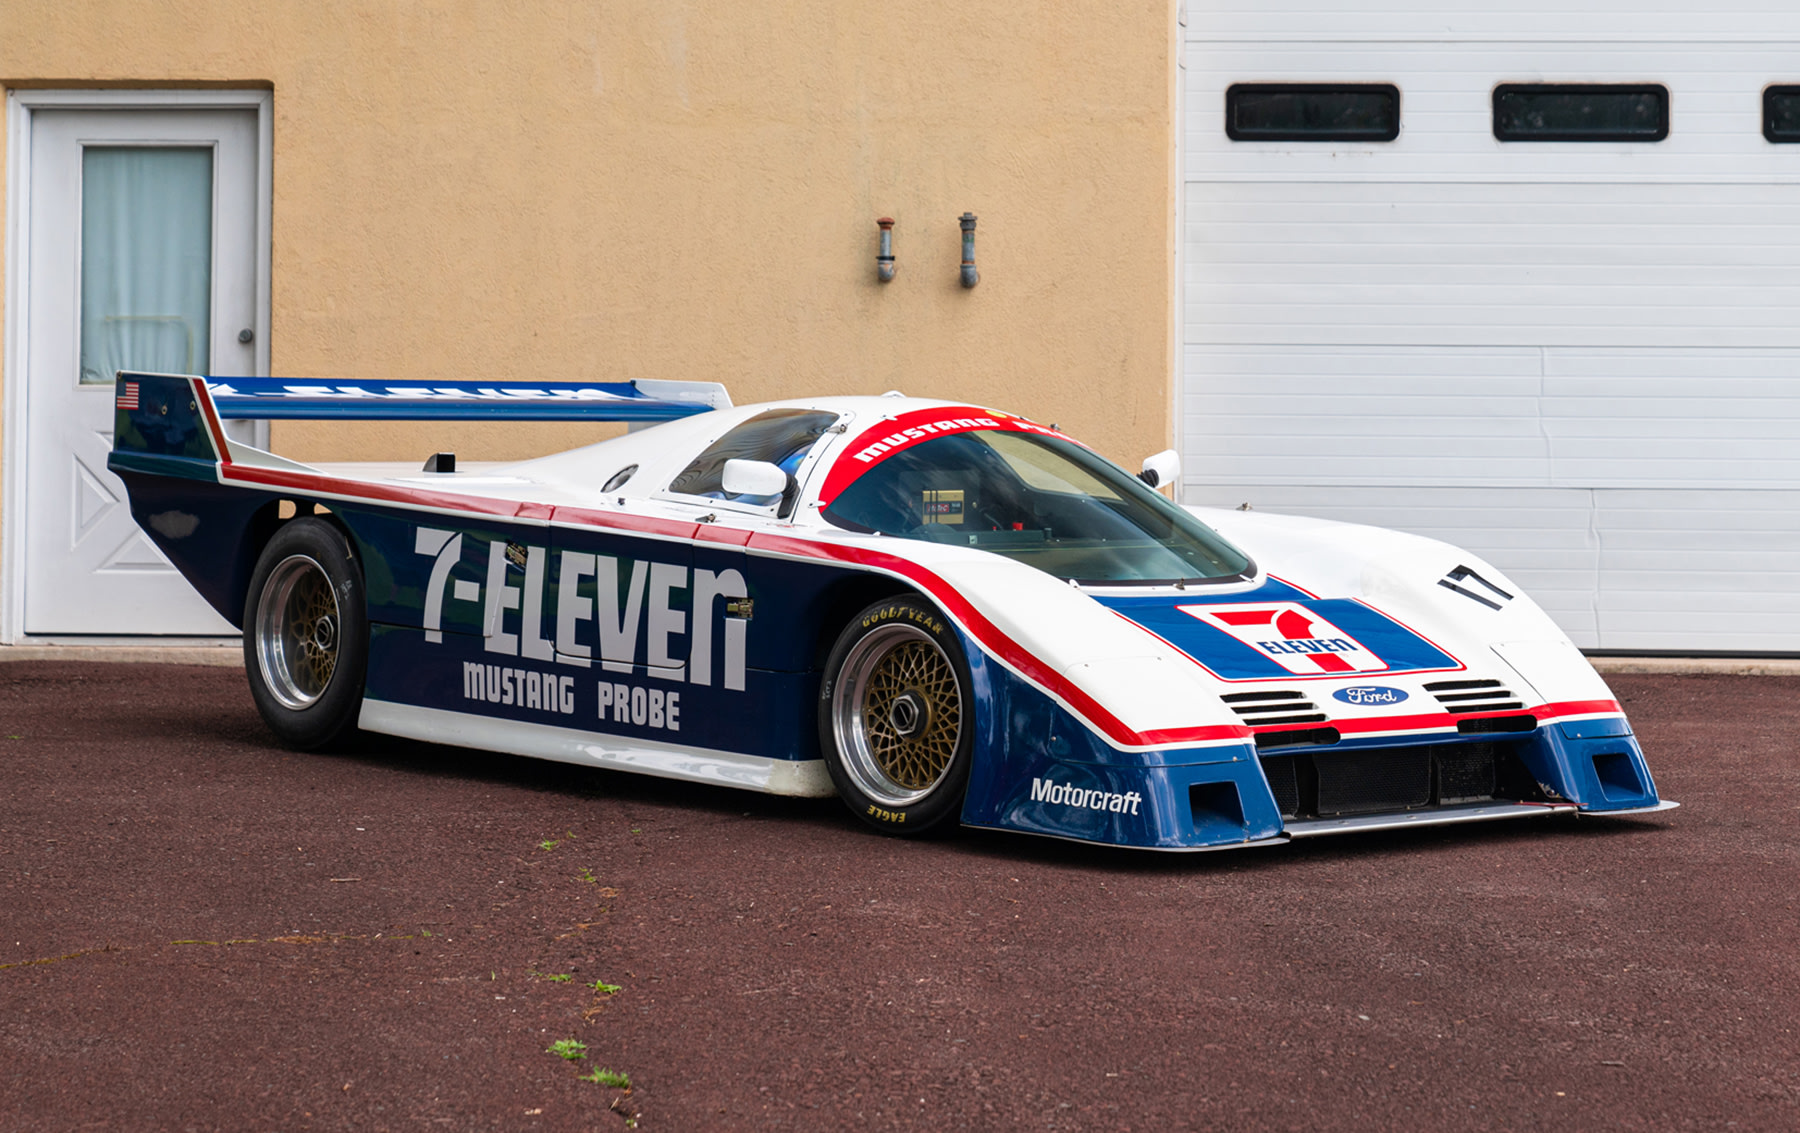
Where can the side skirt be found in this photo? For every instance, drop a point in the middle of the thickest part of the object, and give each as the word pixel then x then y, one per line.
pixel 805 778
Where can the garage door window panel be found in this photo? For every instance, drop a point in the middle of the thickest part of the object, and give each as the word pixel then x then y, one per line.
pixel 1312 112
pixel 1571 112
pixel 1781 114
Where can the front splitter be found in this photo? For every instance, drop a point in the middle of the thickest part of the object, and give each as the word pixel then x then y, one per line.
pixel 1439 816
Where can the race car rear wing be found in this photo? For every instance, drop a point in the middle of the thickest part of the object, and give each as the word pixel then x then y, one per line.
pixel 294 399
pixel 161 416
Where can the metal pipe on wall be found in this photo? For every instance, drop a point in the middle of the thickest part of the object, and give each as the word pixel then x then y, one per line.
pixel 884 263
pixel 970 277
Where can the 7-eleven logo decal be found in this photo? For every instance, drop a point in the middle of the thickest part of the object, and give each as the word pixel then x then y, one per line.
pixel 1292 636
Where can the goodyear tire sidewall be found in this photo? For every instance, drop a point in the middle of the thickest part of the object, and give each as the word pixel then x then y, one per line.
pixel 942 807
pixel 331 720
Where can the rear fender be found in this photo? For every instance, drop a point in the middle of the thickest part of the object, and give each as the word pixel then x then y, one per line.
pixel 210 532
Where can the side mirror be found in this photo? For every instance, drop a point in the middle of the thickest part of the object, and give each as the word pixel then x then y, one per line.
pixel 753 478
pixel 1163 468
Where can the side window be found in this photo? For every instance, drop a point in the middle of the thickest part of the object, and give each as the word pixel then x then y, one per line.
pixel 779 436
pixel 1312 112
pixel 1573 112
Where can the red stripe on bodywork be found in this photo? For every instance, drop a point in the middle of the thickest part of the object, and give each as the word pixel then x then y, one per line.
pixel 1296 586
pixel 360 489
pixel 475 505
pixel 1002 646
pixel 213 425
pixel 985 632
pixel 1433 721
pixel 896 434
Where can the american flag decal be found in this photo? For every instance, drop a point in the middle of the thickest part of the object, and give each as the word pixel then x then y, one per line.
pixel 128 395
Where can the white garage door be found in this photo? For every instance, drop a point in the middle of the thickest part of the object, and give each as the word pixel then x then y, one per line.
pixel 1580 360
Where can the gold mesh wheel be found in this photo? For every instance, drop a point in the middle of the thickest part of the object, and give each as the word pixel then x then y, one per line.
pixel 897 714
pixel 297 631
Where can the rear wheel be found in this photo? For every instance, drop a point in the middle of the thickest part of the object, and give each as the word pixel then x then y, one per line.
pixel 895 717
pixel 306 635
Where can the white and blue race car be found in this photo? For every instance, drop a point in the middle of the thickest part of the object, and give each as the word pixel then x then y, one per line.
pixel 938 612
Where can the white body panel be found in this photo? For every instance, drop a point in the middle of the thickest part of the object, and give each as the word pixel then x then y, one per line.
pixel 1578 360
pixel 1397 573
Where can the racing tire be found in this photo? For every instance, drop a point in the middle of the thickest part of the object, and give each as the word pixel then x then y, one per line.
pixel 306 636
pixel 896 718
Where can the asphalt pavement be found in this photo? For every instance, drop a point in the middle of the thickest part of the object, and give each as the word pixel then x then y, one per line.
pixel 202 931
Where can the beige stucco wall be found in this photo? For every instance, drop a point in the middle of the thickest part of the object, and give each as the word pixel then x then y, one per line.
pixel 668 189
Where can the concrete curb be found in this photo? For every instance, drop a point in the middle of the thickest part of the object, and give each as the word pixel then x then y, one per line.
pixel 1696 666
pixel 216 655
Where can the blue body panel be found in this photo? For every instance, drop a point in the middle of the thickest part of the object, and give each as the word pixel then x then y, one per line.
pixel 210 531
pixel 1033 757
pixel 770 717
pixel 757 702
pixel 160 415
pixel 1600 773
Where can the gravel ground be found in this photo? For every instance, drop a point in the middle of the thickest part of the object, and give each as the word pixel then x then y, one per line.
pixel 201 931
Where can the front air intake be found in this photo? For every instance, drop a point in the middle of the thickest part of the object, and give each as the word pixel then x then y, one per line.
pixel 1259 708
pixel 1298 737
pixel 1473 696
pixel 1335 784
pixel 1369 782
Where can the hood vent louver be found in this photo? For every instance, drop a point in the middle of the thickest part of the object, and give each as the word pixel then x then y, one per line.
pixel 1258 708
pixel 1473 696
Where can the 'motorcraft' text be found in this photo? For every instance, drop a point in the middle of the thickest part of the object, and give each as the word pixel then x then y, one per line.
pixel 1068 794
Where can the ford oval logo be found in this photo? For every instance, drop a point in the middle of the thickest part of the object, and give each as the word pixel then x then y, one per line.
pixel 1369 694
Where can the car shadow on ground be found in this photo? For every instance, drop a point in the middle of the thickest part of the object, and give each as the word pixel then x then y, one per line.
pixel 726 804
pixel 1371 846
pixel 579 780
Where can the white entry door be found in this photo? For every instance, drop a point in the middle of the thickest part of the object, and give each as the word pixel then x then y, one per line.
pixel 141 255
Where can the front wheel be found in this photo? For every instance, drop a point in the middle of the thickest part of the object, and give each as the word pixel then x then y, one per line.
pixel 896 721
pixel 306 635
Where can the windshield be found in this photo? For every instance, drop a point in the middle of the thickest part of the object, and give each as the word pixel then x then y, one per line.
pixel 1043 501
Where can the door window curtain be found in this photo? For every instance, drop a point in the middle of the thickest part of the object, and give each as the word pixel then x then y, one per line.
pixel 146 260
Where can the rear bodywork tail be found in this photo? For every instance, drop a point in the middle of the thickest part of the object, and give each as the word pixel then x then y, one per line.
pixel 171 449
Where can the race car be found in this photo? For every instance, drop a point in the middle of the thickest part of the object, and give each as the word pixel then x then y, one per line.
pixel 941 613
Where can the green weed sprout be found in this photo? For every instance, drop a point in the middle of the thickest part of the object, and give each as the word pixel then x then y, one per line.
pixel 617 1079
